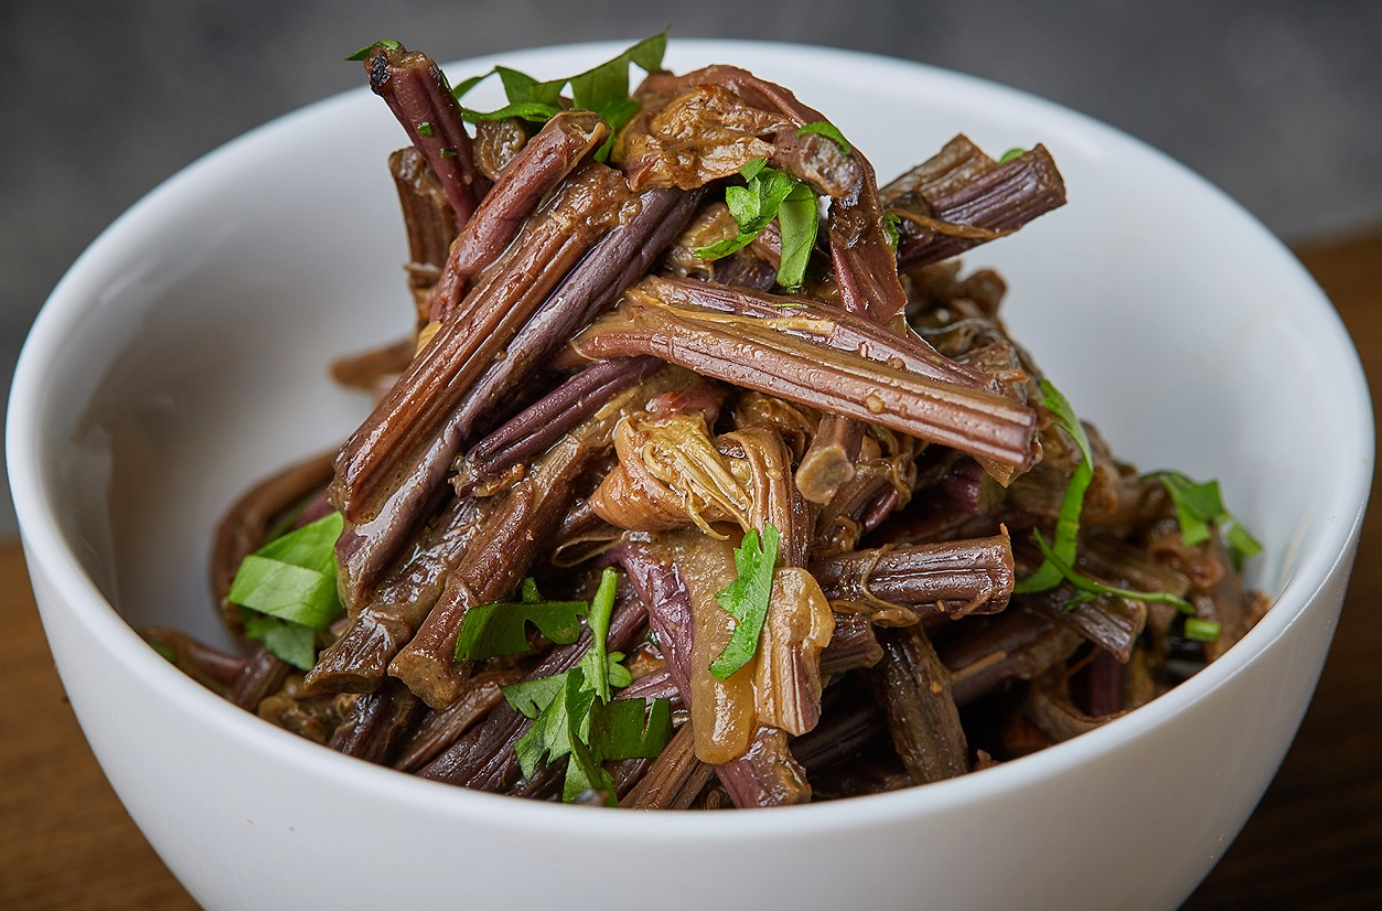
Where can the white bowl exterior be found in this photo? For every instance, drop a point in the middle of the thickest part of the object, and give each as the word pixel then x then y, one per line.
pixel 139 412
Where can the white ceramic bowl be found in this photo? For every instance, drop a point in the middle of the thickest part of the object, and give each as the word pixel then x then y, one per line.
pixel 182 357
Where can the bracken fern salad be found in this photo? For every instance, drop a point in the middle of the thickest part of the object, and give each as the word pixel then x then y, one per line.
pixel 704 475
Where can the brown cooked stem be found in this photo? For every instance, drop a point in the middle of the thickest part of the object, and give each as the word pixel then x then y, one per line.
pixel 246 525
pixel 1017 644
pixel 850 724
pixel 540 425
pixel 263 675
pixel 415 90
pixel 810 320
pixel 211 667
pixel 376 724
pixel 392 469
pixel 955 577
pixel 430 223
pixel 854 645
pixel 759 354
pixel 509 540
pixel 547 159
pixel 914 689
pixel 385 621
pixel 674 779
pixel 438 730
pixel 962 198
pixel 829 461
pixel 1112 623
pixel 366 369
pixel 619 259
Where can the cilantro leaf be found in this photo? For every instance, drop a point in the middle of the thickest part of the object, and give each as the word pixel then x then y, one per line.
pixel 584 772
pixel 620 730
pixel 364 52
pixel 1048 576
pixel 798 216
pixel 829 131
pixel 501 628
pixel 770 194
pixel 1089 588
pixel 891 229
pixel 313 546
pixel 573 716
pixel 549 737
pixel 1200 508
pixel 291 642
pixel 595 663
pixel 286 590
pixel 603 89
pixel 531 698
pixel 1011 154
pixel 746 599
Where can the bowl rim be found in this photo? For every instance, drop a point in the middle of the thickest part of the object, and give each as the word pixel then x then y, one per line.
pixel 51 554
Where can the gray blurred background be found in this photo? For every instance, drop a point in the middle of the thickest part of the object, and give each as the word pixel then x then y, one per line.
pixel 1279 103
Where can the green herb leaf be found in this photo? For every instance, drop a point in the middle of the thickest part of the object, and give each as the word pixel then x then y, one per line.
pixel 798 216
pixel 1011 154
pixel 1200 508
pixel 892 230
pixel 531 698
pixel 291 642
pixel 313 546
pixel 533 111
pixel 597 87
pixel 287 590
pixel 1090 588
pixel 364 52
pixel 549 737
pixel 1048 576
pixel 425 128
pixel 584 772
pixel 603 89
pixel 501 628
pixel 1197 629
pixel 574 717
pixel 766 195
pixel 595 663
pixel 830 131
pixel 619 730
pixel 746 599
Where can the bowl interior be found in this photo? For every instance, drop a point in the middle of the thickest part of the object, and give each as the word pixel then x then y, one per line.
pixel 184 356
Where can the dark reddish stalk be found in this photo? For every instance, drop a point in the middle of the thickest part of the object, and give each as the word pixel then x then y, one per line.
pixel 415 90
pixel 391 615
pixel 954 577
pixel 763 355
pixel 376 724
pixel 546 160
pixel 549 418
pixel 914 688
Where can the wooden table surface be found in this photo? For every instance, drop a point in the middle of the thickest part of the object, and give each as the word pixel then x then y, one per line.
pixel 1314 842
